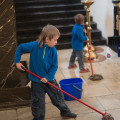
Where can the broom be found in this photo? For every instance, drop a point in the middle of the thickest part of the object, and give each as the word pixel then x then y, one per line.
pixel 93 76
pixel 105 115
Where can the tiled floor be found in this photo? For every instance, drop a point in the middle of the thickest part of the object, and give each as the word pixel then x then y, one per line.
pixel 103 95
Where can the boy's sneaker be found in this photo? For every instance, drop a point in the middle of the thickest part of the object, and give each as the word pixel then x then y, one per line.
pixel 68 115
pixel 84 70
pixel 72 66
pixel 35 119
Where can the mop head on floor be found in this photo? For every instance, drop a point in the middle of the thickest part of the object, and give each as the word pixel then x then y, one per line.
pixel 108 117
pixel 96 77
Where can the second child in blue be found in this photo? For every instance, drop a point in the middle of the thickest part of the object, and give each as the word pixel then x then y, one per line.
pixel 78 38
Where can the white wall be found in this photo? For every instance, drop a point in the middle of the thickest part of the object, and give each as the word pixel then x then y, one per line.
pixel 102 12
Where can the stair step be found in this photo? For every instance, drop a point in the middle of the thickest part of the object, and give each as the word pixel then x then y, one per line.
pixel 25 3
pixel 66 44
pixel 38 8
pixel 43 22
pixel 35 30
pixel 99 41
pixel 95 35
pixel 40 15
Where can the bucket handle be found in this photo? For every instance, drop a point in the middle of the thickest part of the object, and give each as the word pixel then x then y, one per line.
pixel 81 90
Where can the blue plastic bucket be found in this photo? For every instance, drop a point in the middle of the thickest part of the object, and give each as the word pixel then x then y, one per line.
pixel 72 86
pixel 118 50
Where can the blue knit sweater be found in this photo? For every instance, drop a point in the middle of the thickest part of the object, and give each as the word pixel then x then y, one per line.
pixel 43 61
pixel 78 37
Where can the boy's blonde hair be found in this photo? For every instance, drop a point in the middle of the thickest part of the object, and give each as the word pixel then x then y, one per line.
pixel 48 31
pixel 79 18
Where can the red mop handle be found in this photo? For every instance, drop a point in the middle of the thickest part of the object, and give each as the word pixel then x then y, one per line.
pixel 88 51
pixel 65 92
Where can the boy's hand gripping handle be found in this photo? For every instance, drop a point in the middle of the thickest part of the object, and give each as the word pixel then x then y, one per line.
pixel 23 68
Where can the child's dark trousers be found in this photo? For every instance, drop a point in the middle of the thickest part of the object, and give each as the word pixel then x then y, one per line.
pixel 38 99
pixel 79 55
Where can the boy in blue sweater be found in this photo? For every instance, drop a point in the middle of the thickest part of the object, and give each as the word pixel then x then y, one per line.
pixel 44 63
pixel 77 44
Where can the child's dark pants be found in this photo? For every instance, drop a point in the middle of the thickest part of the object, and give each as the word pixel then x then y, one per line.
pixel 38 99
pixel 79 55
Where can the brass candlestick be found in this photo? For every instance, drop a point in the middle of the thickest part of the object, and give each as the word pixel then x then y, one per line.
pixel 87 6
pixel 91 47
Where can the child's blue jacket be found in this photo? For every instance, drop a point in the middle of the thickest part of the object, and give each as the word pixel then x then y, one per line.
pixel 43 61
pixel 78 37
